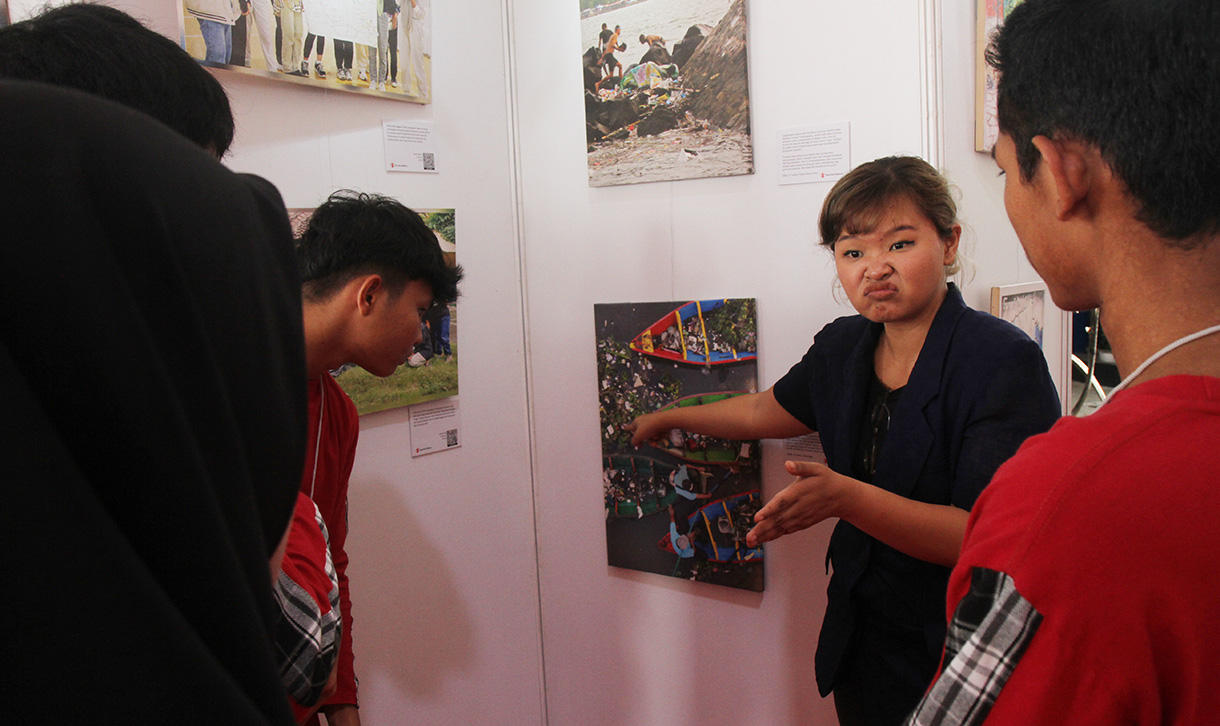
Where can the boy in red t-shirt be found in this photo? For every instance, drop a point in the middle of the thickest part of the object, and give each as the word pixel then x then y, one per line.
pixel 370 267
pixel 1085 592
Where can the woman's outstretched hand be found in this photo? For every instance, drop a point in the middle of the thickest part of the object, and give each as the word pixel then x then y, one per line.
pixel 645 427
pixel 818 493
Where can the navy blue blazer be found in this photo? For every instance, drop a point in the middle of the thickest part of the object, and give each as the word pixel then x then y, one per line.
pixel 979 388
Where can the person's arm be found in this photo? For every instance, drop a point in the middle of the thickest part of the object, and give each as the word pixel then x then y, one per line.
pixel 930 532
pixel 306 633
pixel 277 557
pixel 1019 401
pixel 336 521
pixel 750 416
pixel 344 714
pixel 345 692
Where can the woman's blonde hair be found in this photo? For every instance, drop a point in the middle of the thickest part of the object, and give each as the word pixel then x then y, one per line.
pixel 857 201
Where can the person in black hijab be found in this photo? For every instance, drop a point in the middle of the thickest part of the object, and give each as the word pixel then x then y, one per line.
pixel 105 51
pixel 152 418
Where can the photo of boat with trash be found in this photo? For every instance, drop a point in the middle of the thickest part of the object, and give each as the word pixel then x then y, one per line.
pixel 661 498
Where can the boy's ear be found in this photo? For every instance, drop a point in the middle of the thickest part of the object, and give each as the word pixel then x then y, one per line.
pixel 368 292
pixel 1067 172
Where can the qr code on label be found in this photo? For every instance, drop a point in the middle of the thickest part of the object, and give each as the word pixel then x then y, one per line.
pixel 429 161
pixel 451 437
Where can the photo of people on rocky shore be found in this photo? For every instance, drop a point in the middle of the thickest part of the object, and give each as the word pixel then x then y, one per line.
pixel 680 505
pixel 666 90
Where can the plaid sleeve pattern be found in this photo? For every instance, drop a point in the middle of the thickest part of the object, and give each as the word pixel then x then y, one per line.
pixel 306 638
pixel 991 628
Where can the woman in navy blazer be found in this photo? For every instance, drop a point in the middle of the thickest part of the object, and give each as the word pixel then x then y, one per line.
pixel 917 400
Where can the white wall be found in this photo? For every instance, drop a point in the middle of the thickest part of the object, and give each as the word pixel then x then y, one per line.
pixel 443 573
pixel 632 648
pixel 472 568
pixel 991 244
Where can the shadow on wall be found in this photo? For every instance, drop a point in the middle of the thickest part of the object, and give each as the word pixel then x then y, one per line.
pixel 703 677
pixel 796 573
pixel 693 659
pixel 798 560
pixel 412 628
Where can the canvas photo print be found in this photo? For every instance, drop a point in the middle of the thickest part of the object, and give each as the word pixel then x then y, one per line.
pixel 1023 305
pixel 666 90
pixel 679 506
pixel 431 372
pixel 376 47
pixel 990 15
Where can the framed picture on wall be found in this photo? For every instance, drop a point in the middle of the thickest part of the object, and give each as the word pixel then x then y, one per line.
pixel 989 16
pixel 374 47
pixel 1024 305
pixel 666 90
pixel 680 505
pixel 431 371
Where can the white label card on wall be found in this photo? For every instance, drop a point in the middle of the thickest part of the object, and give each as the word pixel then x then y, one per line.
pixel 409 146
pixel 804 448
pixel 814 153
pixel 435 426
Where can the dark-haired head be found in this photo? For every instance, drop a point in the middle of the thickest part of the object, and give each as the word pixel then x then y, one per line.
pixel 104 51
pixel 857 202
pixel 354 234
pixel 1135 79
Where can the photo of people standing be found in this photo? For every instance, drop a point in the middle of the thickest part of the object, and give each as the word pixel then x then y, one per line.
pixel 366 46
pixel 430 371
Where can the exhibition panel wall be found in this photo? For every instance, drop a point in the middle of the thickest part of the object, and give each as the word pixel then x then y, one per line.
pixel 478 574
pixel 628 648
pixel 443 573
pixel 623 647
pixel 443 567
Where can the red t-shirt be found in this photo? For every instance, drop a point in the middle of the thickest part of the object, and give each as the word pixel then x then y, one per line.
pixel 309 600
pixel 330 451
pixel 1109 526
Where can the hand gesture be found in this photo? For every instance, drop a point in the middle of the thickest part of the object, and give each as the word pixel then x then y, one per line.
pixel 817 494
pixel 644 428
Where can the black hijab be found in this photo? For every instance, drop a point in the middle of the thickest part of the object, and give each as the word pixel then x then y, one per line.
pixel 152 419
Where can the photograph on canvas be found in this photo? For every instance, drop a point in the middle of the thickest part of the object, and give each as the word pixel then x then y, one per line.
pixel 1023 305
pixel 377 47
pixel 990 15
pixel 431 371
pixel 666 90
pixel 681 505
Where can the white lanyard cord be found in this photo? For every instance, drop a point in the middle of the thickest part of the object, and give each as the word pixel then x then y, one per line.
pixel 1161 354
pixel 317 447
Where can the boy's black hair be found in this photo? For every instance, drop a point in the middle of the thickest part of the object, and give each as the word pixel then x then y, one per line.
pixel 106 52
pixel 354 234
pixel 1139 80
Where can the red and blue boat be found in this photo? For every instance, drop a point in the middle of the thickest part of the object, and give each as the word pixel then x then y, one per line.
pixel 681 336
pixel 719 529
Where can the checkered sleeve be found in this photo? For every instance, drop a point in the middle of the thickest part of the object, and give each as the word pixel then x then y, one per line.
pixel 991 628
pixel 309 625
